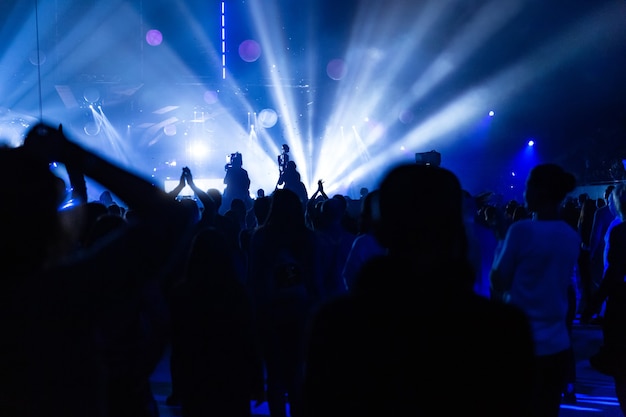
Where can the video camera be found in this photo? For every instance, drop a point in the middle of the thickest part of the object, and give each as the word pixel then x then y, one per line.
pixel 234 160
pixel 428 158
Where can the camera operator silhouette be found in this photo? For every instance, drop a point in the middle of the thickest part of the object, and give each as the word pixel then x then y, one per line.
pixel 237 183
pixel 283 159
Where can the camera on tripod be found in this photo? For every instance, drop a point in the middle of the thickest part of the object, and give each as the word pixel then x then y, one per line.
pixel 234 160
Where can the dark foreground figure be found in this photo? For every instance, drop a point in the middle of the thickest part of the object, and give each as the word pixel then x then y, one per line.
pixel 82 327
pixel 413 331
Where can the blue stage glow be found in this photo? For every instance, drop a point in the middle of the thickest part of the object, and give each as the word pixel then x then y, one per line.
pixel 401 77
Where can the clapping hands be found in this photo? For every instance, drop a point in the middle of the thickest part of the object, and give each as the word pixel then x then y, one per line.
pixel 187 175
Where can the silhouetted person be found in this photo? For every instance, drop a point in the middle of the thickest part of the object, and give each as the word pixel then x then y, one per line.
pixel 412 327
pixel 60 312
pixel 336 242
pixel 284 283
pixel 365 245
pixel 213 336
pixel 283 159
pixel 290 179
pixel 534 270
pixel 585 225
pixel 602 219
pixel 237 184
pixel 611 359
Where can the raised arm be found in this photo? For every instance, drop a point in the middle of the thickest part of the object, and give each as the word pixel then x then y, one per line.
pixel 205 199
pixel 319 191
pixel 181 184
pixel 52 145
pixel 150 202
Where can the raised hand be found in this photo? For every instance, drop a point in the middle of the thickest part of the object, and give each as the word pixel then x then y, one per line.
pixel 187 174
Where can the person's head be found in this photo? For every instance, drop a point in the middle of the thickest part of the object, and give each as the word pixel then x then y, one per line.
pixel 261 207
pixel 547 186
pixel 420 216
pixel 366 222
pixel 236 160
pixel 106 198
pixel 192 207
pixel 509 208
pixel 331 212
pixel 285 148
pixel 520 213
pixel 216 196
pixel 286 212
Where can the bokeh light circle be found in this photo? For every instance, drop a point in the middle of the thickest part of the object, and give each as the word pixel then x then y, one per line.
pixel 91 94
pixel 170 130
pixel 336 69
pixel 210 97
pixel 249 50
pixel 37 58
pixel 91 128
pixel 154 37
pixel 267 118
pixel 406 116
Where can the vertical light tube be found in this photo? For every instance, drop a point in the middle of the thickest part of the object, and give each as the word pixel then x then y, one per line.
pixel 223 40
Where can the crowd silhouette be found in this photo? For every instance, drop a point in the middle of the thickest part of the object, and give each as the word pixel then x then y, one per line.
pixel 295 300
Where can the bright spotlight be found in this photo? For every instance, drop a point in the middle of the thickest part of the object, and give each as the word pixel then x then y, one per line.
pixel 491 113
pixel 531 143
pixel 198 150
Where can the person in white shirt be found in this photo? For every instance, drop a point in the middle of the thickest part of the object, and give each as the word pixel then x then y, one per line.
pixel 534 270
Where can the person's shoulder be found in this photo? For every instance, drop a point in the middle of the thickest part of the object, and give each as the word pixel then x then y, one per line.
pixel 520 228
pixel 619 229
pixel 523 224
